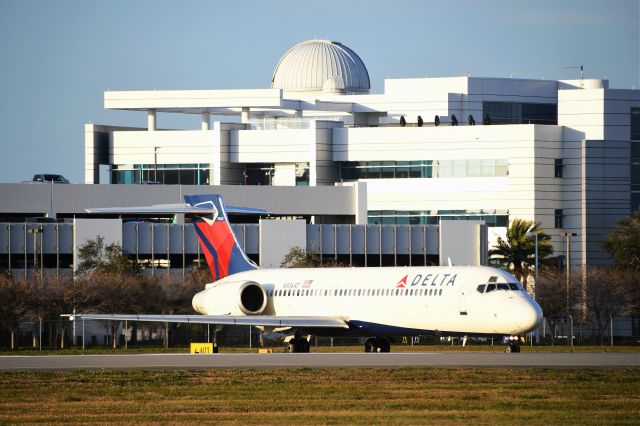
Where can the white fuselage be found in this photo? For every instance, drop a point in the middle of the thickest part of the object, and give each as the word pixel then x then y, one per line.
pixel 384 301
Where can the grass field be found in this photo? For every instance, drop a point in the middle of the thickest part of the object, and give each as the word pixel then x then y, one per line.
pixel 345 396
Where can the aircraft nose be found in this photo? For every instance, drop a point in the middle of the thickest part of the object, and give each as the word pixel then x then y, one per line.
pixel 530 316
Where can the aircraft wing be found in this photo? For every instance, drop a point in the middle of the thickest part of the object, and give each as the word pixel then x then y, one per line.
pixel 254 320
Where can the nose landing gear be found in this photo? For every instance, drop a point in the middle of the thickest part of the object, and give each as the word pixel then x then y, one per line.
pixel 513 344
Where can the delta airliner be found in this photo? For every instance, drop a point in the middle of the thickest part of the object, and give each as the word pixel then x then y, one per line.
pixel 374 303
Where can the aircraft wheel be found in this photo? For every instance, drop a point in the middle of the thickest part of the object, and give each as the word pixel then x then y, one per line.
pixel 303 345
pixel 384 345
pixel 371 345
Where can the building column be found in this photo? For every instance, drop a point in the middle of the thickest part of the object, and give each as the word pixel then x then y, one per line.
pixel 245 115
pixel 205 121
pixel 151 120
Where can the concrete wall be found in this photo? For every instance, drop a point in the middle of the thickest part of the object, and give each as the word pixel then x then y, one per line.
pixel 463 242
pixel 39 199
pixel 277 238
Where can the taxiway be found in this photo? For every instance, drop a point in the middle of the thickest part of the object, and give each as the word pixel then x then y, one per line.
pixel 322 360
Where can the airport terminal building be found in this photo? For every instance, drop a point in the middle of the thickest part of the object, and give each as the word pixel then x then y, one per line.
pixel 563 153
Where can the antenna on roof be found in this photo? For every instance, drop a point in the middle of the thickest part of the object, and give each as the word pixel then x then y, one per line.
pixel 581 68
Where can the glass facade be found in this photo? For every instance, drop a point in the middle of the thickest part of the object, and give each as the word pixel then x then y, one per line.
pixel 520 113
pixel 167 174
pixel 259 173
pixel 354 170
pixel 635 159
pixel 557 168
pixel 558 219
pixel 428 217
pixel 263 173
pixel 302 174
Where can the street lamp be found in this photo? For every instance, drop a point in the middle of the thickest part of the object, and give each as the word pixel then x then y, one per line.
pixel 35 232
pixel 155 163
pixel 568 235
pixel 535 235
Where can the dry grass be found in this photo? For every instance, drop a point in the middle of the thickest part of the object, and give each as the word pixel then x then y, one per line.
pixel 345 396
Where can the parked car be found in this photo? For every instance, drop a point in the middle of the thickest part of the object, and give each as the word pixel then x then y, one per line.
pixel 49 178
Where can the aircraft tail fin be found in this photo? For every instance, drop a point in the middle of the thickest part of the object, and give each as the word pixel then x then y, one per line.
pixel 217 240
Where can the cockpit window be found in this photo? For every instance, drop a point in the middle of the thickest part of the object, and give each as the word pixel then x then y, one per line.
pixel 503 286
pixel 514 286
pixel 481 288
pixel 491 287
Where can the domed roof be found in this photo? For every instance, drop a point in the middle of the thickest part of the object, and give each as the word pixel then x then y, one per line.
pixel 321 66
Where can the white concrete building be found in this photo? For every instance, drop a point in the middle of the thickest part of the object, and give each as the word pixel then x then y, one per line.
pixel 563 153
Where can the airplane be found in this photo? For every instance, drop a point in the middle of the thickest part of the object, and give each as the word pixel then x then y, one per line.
pixel 375 303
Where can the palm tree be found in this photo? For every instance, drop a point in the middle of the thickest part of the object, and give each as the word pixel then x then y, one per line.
pixel 517 253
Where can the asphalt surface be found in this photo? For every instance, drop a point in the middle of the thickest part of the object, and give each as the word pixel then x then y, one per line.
pixel 322 360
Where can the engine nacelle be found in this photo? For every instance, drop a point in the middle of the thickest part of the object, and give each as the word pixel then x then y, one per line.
pixel 252 298
pixel 235 298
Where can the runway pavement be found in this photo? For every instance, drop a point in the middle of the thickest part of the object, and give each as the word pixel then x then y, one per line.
pixel 323 360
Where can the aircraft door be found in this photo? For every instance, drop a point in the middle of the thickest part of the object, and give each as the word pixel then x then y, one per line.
pixel 462 301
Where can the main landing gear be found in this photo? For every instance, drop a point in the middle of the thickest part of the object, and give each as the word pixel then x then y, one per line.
pixel 513 345
pixel 297 345
pixel 377 344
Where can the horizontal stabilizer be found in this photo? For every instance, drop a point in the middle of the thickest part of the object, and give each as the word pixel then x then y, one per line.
pixel 174 209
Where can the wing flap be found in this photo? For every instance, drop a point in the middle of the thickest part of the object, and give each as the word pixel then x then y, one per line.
pixel 254 320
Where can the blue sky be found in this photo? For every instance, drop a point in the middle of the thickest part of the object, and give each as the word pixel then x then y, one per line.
pixel 58 57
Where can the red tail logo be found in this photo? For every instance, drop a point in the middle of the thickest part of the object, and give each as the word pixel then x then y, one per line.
pixel 402 283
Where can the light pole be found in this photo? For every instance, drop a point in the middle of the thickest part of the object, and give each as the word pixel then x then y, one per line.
pixel 35 232
pixel 155 163
pixel 535 235
pixel 568 236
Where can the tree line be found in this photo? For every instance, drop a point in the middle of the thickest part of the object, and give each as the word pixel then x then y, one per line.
pixel 107 281
pixel 591 294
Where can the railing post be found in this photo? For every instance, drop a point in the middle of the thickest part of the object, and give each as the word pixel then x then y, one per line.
pixel 611 328
pixel 571 329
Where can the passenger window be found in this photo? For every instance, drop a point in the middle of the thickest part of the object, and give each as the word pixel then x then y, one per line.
pixel 440 293
pixel 481 288
pixel 503 286
pixel 491 287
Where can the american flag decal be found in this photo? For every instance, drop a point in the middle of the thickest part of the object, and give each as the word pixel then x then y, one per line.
pixel 307 284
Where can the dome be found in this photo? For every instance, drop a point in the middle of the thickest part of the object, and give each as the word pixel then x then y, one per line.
pixel 321 66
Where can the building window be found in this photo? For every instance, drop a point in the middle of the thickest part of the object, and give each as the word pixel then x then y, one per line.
pixel 558 168
pixel 558 222
pixel 259 173
pixel 520 113
pixel 635 175
pixel 355 170
pixel 427 217
pixel 635 123
pixel 302 174
pixel 168 174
